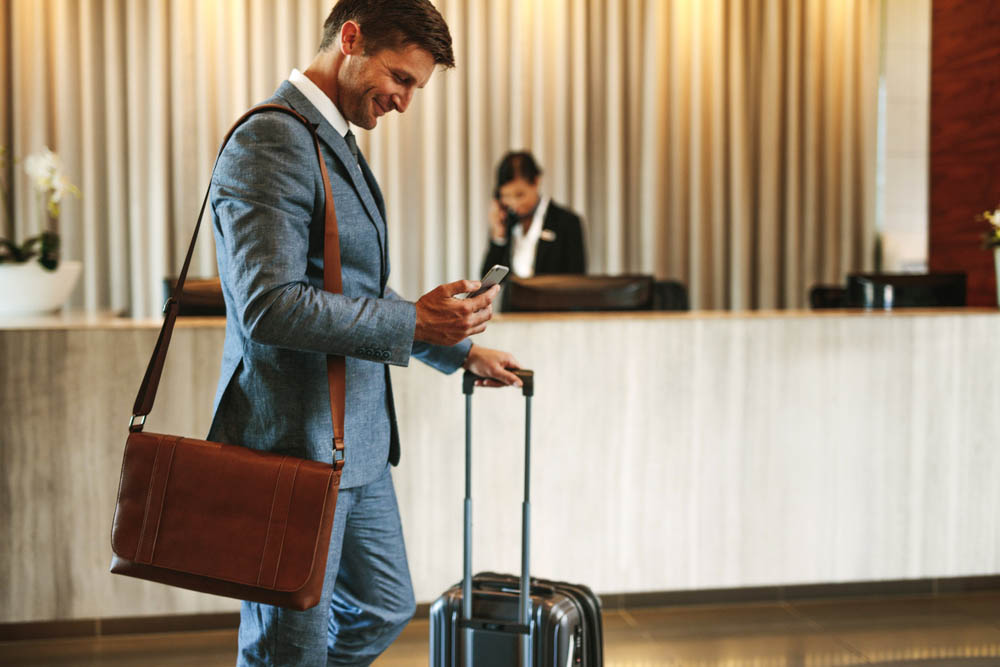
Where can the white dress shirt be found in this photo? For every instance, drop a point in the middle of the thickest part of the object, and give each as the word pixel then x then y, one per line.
pixel 319 100
pixel 522 252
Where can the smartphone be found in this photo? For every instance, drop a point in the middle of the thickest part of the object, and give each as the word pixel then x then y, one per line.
pixel 493 277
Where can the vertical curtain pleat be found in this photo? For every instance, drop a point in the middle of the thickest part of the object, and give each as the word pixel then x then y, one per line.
pixel 259 55
pixel 478 157
pixel 678 144
pixel 729 144
pixel 511 130
pixel 576 113
pixel 558 125
pixel 613 134
pixel 65 118
pixel 628 231
pixel 427 146
pixel 649 227
pixel 718 200
pixel 597 51
pixel 738 162
pixel 698 154
pixel 6 134
pixel 869 31
pixel 791 222
pixel 115 285
pixel 770 131
pixel 456 186
pixel 28 95
pixel 92 142
pixel 812 151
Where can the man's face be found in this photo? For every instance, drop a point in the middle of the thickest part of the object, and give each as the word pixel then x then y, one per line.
pixel 373 85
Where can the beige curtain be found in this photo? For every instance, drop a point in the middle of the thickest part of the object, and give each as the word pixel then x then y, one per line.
pixel 728 144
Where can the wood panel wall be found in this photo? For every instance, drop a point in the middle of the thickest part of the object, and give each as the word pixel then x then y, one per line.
pixel 965 139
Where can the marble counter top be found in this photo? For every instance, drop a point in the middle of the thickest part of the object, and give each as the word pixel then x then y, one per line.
pixel 673 451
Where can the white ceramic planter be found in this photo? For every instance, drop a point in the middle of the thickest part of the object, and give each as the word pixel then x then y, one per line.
pixel 31 289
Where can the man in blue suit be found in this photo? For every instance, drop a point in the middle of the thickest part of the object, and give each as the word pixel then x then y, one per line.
pixel 267 206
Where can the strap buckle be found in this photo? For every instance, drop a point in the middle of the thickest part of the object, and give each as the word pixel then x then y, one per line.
pixel 136 426
pixel 169 302
pixel 338 453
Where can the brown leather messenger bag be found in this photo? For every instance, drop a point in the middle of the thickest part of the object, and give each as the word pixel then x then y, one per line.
pixel 221 518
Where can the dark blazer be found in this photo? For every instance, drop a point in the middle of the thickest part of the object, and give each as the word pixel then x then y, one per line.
pixel 563 254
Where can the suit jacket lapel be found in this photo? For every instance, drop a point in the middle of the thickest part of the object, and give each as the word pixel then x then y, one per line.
pixel 380 204
pixel 372 185
pixel 338 145
pixel 542 253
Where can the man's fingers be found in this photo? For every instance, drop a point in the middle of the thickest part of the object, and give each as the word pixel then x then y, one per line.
pixel 500 378
pixel 511 362
pixel 484 299
pixel 460 287
pixel 479 317
pixel 506 376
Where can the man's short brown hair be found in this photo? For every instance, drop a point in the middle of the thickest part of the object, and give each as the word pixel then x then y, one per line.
pixel 392 24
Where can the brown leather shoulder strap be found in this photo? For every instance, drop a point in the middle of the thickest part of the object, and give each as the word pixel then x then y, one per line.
pixel 335 364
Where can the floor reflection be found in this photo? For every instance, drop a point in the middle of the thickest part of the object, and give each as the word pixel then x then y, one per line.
pixel 945 631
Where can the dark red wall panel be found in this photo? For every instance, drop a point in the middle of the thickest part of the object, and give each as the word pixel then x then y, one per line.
pixel 965 139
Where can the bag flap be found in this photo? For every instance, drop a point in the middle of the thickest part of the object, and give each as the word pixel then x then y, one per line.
pixel 221 511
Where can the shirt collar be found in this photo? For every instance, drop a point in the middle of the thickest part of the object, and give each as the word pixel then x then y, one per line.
pixel 319 99
pixel 537 221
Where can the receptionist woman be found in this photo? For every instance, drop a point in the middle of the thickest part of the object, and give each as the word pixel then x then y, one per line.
pixel 528 231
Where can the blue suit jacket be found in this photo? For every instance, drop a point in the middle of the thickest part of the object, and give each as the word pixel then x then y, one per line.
pixel 267 209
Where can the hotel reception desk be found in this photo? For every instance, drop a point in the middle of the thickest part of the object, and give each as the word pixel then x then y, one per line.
pixel 671 452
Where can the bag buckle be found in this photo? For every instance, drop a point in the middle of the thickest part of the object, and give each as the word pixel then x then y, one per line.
pixel 136 426
pixel 338 454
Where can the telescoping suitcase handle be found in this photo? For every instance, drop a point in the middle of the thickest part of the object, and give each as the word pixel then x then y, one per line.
pixel 523 626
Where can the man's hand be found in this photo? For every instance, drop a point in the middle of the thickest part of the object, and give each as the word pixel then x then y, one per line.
pixel 492 364
pixel 445 320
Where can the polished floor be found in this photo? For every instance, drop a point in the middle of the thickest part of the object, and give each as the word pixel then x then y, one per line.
pixel 956 630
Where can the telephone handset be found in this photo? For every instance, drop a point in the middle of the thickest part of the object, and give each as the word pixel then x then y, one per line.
pixel 510 218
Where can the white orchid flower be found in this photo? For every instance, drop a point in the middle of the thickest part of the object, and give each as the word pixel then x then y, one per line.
pixel 46 172
pixel 993 217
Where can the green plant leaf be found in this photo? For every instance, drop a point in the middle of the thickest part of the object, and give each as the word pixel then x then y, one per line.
pixel 49 250
pixel 45 246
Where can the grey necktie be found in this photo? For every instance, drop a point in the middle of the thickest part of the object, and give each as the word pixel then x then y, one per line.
pixel 352 144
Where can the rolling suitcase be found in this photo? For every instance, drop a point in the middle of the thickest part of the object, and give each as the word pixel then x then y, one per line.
pixel 497 620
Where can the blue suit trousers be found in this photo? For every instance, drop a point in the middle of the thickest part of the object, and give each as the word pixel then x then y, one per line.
pixel 367 594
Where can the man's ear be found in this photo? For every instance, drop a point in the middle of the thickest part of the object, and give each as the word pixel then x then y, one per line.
pixel 350 39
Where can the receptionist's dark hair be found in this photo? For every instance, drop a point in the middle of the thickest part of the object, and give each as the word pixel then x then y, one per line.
pixel 514 165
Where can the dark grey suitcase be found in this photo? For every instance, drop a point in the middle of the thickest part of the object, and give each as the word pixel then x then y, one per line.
pixel 493 620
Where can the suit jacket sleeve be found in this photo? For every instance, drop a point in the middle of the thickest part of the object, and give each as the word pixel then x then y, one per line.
pixel 445 358
pixel 266 192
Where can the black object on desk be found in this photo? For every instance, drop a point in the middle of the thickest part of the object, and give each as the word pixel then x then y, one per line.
pixel 560 293
pixel 905 290
pixel 827 296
